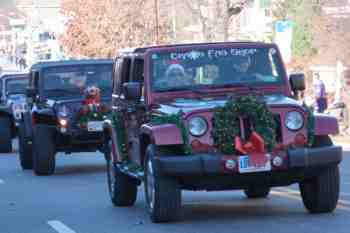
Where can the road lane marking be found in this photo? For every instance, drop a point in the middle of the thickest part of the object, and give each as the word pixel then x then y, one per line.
pixel 285 194
pixel 289 193
pixel 60 227
pixel 288 190
pixel 344 202
pixel 345 146
pixel 1 181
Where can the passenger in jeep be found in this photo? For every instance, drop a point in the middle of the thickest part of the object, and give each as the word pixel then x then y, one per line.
pixel 74 81
pixel 175 76
pixel 224 69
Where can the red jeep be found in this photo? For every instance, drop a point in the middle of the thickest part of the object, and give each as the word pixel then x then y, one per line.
pixel 217 116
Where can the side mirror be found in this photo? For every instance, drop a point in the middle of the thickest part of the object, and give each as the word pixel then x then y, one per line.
pixel 297 82
pixel 132 91
pixel 30 92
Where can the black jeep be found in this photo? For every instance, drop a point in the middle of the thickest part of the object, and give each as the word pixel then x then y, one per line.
pixel 12 104
pixel 67 104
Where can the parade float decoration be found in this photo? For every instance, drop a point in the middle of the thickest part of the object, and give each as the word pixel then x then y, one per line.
pixel 226 126
pixel 92 109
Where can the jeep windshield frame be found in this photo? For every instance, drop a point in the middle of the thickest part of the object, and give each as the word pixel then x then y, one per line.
pixel 22 81
pixel 70 81
pixel 190 54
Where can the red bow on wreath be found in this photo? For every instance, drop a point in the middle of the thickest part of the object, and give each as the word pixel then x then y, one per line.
pixel 254 147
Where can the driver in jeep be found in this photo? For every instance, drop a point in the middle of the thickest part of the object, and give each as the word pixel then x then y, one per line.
pixel 175 76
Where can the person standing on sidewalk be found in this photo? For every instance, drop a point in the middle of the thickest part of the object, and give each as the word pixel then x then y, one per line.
pixel 346 99
pixel 320 94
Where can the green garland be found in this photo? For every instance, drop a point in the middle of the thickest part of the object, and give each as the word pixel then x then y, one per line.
pixel 310 124
pixel 118 124
pixel 91 116
pixel 177 120
pixel 126 165
pixel 226 124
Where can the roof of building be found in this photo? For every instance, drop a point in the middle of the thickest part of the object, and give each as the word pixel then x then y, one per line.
pixel 46 9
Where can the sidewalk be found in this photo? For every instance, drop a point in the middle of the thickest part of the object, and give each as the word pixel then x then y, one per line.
pixel 343 141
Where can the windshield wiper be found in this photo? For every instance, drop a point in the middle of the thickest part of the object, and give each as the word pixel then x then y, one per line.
pixel 239 85
pixel 191 88
pixel 64 91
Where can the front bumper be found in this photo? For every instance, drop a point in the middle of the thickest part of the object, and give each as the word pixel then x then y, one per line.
pixel 76 140
pixel 214 164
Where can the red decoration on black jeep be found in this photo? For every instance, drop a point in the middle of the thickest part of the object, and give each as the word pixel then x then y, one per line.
pixel 92 96
pixel 92 108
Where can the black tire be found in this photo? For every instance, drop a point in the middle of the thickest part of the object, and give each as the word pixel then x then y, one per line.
pixel 43 151
pixel 5 135
pixel 25 149
pixel 122 188
pixel 320 194
pixel 165 203
pixel 257 192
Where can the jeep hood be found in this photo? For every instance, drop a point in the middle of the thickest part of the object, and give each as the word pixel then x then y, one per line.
pixel 189 105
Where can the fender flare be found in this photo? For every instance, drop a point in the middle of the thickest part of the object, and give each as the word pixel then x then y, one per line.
pixel 159 134
pixel 326 125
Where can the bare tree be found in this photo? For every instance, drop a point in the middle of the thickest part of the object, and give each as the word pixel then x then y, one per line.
pixel 101 28
pixel 215 16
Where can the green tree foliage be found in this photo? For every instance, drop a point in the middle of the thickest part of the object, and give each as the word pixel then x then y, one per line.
pixel 305 15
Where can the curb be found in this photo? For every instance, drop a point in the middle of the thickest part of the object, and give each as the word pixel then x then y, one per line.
pixel 346 146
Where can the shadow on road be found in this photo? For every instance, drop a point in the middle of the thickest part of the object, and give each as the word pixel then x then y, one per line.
pixel 224 209
pixel 79 169
pixel 238 210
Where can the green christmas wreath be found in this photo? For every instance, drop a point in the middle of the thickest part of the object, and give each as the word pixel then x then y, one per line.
pixel 226 123
pixel 84 118
pixel 310 125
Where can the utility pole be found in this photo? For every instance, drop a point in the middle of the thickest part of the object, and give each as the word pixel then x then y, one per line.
pixel 173 13
pixel 156 12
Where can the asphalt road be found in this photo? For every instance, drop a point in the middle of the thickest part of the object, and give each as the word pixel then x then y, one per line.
pixel 75 200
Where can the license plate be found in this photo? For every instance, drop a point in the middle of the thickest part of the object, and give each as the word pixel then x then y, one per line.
pixel 245 165
pixel 95 126
pixel 19 108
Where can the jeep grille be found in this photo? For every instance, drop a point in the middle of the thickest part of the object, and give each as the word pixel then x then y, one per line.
pixel 247 127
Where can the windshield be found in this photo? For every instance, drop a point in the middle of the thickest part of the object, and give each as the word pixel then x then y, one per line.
pixel 74 80
pixel 16 85
pixel 224 67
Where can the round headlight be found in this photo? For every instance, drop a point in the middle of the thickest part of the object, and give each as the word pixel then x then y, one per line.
pixel 294 120
pixel 198 126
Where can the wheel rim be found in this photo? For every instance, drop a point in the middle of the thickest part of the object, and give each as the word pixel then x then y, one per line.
pixel 150 184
